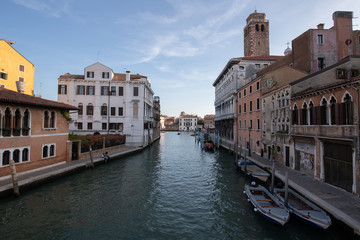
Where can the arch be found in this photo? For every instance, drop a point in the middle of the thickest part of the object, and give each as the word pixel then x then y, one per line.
pixel 304 114
pixel 6 158
pixel 52 119
pixel 324 113
pixel 333 110
pixel 26 123
pixel 262 27
pixel 45 152
pixel 17 122
pixel 257 27
pixel 25 155
pixel 348 109
pixel 46 119
pixel 347 95
pixel 311 113
pixel 16 155
pixel 7 122
pixel 89 109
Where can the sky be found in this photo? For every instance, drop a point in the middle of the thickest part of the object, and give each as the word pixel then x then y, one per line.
pixel 181 45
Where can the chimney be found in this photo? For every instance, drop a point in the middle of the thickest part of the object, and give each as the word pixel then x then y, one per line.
pixel 127 75
pixel 320 26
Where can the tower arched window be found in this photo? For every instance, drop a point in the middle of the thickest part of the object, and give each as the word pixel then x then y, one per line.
pixel 262 27
pixel 257 27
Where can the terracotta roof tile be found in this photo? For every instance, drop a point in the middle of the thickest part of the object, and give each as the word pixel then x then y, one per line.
pixel 117 76
pixel 8 96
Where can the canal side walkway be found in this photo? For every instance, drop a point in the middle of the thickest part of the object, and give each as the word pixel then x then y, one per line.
pixel 342 205
pixel 33 178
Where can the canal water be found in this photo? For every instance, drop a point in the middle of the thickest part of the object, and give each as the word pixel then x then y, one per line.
pixel 171 190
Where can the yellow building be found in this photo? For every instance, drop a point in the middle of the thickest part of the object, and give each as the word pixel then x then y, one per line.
pixel 16 72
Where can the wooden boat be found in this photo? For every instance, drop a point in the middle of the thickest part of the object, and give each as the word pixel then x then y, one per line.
pixel 253 170
pixel 304 209
pixel 267 204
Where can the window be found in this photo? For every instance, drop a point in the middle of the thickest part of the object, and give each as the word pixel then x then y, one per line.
pixel 295 115
pixel 6 158
pixel 16 155
pixel 320 39
pixel 257 27
pixel 90 74
pixel 17 123
pixel 104 90
pixel 62 89
pixel 104 126
pixel 244 107
pixel 80 106
pixel 21 79
pixel 244 123
pixel 89 110
pixel 79 125
pixel 348 111
pixel 257 66
pixel 113 110
pixel 265 65
pixel 324 115
pixel 241 67
pixel 105 75
pixel 257 85
pixel 103 110
pixel 80 90
pixel 120 111
pixel 46 119
pixel 304 115
pixel 25 155
pixel 90 90
pixel 49 150
pixel 258 123
pixel 333 111
pixel 6 129
pixel 240 124
pixel 21 68
pixel 113 91
pixel 26 123
pixel 262 27
pixel 321 63
pixel 136 91
pixel 3 75
pixel 244 92
pixel 121 91
pixel 250 89
pixel 258 103
pixel 250 124
pixel 89 126
pixel 239 109
pixel 250 106
pixel 52 119
pixel 341 73
pixel 239 94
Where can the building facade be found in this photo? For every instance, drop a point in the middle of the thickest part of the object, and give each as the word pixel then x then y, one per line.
pixel 325 124
pixel 209 121
pixel 109 103
pixel 16 72
pixel 187 123
pixel 33 131
pixel 157 119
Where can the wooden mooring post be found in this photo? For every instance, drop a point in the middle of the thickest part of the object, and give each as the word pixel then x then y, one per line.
pixel 14 178
pixel 91 163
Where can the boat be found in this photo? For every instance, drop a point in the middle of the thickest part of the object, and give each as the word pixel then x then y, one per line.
pixel 304 209
pixel 267 204
pixel 209 146
pixel 253 170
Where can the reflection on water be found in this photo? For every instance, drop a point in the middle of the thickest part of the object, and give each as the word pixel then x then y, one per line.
pixel 171 190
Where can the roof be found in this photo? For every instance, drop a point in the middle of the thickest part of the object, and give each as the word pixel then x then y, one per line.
pixel 9 96
pixel 233 61
pixel 188 116
pixel 117 76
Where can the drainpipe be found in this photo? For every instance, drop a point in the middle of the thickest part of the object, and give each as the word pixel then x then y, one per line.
pixel 357 122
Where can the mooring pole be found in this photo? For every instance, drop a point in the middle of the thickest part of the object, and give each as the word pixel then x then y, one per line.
pixel 91 157
pixel 272 176
pixel 14 178
pixel 286 188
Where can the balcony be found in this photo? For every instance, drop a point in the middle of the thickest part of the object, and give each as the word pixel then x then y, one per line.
pixel 334 131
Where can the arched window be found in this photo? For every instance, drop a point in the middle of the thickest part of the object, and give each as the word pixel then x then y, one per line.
pixel 312 113
pixel 17 123
pixel 7 123
pixel 52 119
pixel 257 27
pixel 25 155
pixel 46 119
pixel 262 27
pixel 348 110
pixel 16 155
pixel 26 123
pixel 304 115
pixel 80 106
pixel 104 110
pixel 45 151
pixel 89 110
pixel 333 110
pixel 324 114
pixel 6 158
pixel 295 115
pixel 52 150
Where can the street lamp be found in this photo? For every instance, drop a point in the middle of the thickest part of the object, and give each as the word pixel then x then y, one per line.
pixel 249 142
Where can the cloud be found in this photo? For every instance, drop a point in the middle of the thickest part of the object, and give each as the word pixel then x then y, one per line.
pixel 54 8
pixel 184 38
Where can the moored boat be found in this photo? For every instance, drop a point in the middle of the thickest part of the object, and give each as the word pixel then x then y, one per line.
pixel 209 146
pixel 267 205
pixel 253 170
pixel 304 209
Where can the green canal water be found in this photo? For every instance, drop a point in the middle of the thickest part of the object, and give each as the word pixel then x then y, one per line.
pixel 171 190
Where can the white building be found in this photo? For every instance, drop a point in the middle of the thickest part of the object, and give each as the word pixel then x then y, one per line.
pixel 187 123
pixel 109 103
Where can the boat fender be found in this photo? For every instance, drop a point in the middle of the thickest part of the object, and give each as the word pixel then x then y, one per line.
pixel 248 199
pixel 244 191
pixel 255 210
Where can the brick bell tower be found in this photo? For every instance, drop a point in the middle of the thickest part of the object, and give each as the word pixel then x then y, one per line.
pixel 256 35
